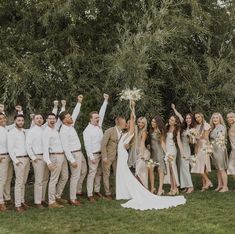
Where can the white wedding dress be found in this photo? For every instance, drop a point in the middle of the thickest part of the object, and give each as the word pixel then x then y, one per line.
pixel 129 188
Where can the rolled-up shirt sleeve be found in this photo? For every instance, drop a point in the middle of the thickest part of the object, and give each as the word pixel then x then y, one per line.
pixel 45 144
pixel 76 112
pixel 88 144
pixel 102 112
pixel 65 144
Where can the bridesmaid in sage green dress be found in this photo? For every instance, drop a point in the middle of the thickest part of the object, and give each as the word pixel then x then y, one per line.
pixel 158 150
pixel 184 165
pixel 218 135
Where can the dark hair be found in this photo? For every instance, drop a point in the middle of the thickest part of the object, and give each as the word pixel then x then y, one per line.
pixel 51 114
pixel 184 124
pixel 176 129
pixel 93 112
pixel 160 126
pixel 62 115
pixel 38 114
pixel 203 121
pixel 19 116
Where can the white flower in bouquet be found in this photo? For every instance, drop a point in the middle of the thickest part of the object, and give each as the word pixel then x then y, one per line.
pixel 208 149
pixel 151 163
pixel 131 95
pixel 192 134
pixel 220 141
pixel 192 160
pixel 169 158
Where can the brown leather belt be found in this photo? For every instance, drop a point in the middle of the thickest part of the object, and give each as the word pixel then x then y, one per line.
pixel 22 156
pixel 39 154
pixel 75 151
pixel 60 153
pixel 5 154
pixel 97 152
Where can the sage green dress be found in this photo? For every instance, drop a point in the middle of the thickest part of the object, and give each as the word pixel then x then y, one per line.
pixel 220 154
pixel 157 153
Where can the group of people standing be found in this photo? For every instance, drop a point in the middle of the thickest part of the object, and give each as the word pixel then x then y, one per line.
pixel 173 150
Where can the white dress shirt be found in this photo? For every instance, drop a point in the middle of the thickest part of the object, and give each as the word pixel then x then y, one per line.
pixel 93 135
pixel 3 140
pixel 69 137
pixel 51 143
pixel 34 141
pixel 16 143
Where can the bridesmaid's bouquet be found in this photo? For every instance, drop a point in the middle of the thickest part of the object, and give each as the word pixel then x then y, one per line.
pixel 220 141
pixel 192 160
pixel 131 95
pixel 169 158
pixel 208 149
pixel 193 134
pixel 150 163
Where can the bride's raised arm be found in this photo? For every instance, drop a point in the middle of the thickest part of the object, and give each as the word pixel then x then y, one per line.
pixel 132 119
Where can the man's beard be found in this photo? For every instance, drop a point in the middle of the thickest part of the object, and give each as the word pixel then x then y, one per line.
pixel 20 126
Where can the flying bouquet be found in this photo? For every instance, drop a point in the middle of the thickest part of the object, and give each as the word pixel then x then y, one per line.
pixel 131 95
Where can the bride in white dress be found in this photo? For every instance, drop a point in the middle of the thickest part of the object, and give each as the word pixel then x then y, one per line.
pixel 129 188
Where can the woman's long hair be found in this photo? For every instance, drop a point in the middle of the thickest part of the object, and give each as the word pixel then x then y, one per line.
pixel 233 116
pixel 221 120
pixel 176 127
pixel 203 121
pixel 184 125
pixel 160 126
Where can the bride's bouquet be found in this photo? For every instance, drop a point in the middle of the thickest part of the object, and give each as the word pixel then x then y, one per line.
pixel 131 95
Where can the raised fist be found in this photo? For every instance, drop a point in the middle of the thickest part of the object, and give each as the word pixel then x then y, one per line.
pixel 56 103
pixel 63 102
pixel 106 97
pixel 80 98
pixel 18 108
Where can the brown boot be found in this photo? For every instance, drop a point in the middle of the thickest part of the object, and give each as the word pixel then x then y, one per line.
pixel 91 199
pixel 44 203
pixel 75 203
pixel 98 195
pixel 40 206
pixel 25 206
pixel 109 197
pixel 55 205
pixel 61 201
pixel 20 209
pixel 3 207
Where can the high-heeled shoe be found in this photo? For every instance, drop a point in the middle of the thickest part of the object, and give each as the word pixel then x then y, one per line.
pixel 175 192
pixel 190 190
pixel 161 193
pixel 207 187
pixel 154 191
pixel 224 190
pixel 170 193
pixel 218 189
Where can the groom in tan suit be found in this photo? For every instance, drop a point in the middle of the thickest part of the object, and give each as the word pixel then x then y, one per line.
pixel 109 151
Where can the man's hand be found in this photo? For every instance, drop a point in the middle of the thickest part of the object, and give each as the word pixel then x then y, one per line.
pixel 56 103
pixel 18 163
pixel 173 106
pixel 127 146
pixel 1 158
pixel 105 160
pixel 74 164
pixel 51 166
pixel 93 161
pixel 80 98
pixel 2 108
pixel 106 97
pixel 63 103
pixel 36 160
pixel 32 116
pixel 18 108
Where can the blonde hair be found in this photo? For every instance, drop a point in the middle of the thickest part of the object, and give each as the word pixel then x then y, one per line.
pixel 233 115
pixel 143 119
pixel 221 120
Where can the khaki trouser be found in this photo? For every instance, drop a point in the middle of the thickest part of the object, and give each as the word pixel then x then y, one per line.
pixel 75 175
pixel 41 175
pixel 4 169
pixel 94 175
pixel 106 166
pixel 82 175
pixel 64 176
pixel 7 189
pixel 58 160
pixel 21 174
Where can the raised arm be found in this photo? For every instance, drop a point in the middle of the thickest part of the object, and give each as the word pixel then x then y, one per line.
pixel 77 108
pixel 103 109
pixel 177 113
pixel 58 122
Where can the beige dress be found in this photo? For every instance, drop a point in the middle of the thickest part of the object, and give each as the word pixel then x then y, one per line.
pixel 231 164
pixel 141 169
pixel 220 154
pixel 203 159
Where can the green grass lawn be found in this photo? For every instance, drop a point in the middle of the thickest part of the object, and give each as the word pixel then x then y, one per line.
pixel 207 212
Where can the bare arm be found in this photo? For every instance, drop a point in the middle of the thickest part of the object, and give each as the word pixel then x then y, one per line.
pixel 142 143
pixel 177 113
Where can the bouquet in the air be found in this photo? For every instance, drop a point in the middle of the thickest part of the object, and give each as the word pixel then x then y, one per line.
pixel 131 95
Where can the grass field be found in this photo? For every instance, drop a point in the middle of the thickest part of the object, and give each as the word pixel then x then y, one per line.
pixel 207 212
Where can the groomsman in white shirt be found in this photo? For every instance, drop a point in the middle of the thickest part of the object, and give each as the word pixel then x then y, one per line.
pixel 72 148
pixel 92 136
pixel 35 152
pixel 16 141
pixel 54 157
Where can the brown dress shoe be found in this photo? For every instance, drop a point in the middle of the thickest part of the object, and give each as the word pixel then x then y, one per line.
pixel 3 207
pixel 55 205
pixel 80 194
pixel 109 197
pixel 20 209
pixel 8 202
pixel 25 206
pixel 91 199
pixel 40 206
pixel 98 195
pixel 75 203
pixel 44 203
pixel 61 201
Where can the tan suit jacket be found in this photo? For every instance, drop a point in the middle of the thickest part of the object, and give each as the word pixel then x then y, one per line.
pixel 109 144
